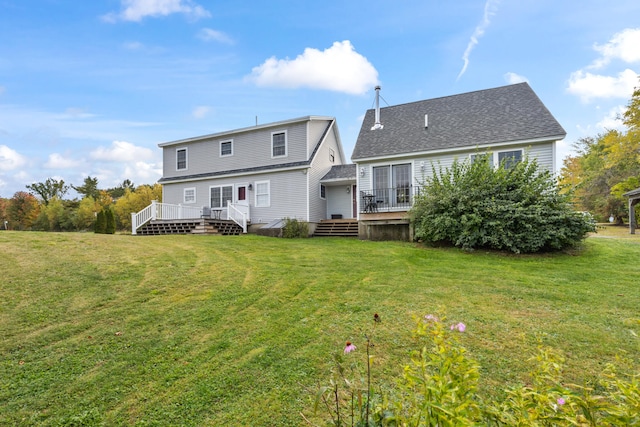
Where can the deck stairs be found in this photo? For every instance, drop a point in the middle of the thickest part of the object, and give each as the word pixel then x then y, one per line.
pixel 190 226
pixel 337 228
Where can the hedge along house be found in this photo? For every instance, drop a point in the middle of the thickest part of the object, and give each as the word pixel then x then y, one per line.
pixel 398 147
pixel 261 173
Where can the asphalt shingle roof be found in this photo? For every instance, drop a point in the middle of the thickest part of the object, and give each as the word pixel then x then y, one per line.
pixel 339 172
pixel 503 114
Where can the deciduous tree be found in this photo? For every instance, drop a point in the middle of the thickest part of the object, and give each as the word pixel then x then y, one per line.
pixel 605 167
pixel 23 210
pixel 49 189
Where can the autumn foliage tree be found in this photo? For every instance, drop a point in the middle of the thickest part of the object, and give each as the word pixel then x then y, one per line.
pixel 23 210
pixel 135 201
pixel 605 167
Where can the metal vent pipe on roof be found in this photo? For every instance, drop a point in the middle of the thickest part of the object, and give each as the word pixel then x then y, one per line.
pixel 377 124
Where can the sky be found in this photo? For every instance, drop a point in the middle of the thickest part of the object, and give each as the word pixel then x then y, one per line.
pixel 90 88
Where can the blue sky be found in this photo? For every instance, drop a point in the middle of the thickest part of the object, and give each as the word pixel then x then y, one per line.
pixel 89 88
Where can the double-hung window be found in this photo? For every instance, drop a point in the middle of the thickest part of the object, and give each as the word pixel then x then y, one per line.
pixel 189 195
pixel 226 148
pixel 263 194
pixel 181 158
pixel 510 158
pixel 279 144
pixel 482 156
pixel 220 196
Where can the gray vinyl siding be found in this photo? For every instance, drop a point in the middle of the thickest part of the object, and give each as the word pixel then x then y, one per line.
pixel 316 129
pixel 339 202
pixel 320 167
pixel 250 149
pixel 288 197
pixel 544 153
pixel 287 194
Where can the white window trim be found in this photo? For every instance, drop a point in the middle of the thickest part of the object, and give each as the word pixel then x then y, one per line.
pixel 186 158
pixel 484 153
pixel 286 144
pixel 184 195
pixel 256 187
pixel 325 191
pixel 221 187
pixel 332 155
pixel 496 159
pixel 224 142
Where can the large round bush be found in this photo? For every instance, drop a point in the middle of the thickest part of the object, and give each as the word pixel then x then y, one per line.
pixel 476 205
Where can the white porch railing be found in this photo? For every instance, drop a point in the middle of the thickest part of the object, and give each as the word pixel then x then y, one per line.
pixel 239 214
pixel 158 210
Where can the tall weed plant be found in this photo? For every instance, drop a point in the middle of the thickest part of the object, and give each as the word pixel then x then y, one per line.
pixel 438 387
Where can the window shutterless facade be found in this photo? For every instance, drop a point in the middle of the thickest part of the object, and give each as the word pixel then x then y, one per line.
pixel 226 148
pixel 181 159
pixel 189 195
pixel 279 144
pixel 510 158
pixel 221 195
pixel 263 194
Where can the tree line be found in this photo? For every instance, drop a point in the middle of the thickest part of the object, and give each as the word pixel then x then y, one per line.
pixel 605 167
pixel 44 206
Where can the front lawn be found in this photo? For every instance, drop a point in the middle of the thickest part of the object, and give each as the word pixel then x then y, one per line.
pixel 211 331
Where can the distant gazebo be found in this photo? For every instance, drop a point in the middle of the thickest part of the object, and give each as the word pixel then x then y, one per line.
pixel 634 198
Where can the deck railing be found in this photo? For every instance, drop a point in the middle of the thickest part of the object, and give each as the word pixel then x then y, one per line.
pixel 239 214
pixel 157 210
pixel 387 199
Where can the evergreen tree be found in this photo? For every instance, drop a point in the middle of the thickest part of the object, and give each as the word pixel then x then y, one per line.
pixel 110 219
pixel 101 223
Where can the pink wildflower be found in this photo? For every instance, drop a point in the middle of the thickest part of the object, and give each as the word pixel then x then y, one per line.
pixel 349 347
pixel 431 318
pixel 460 327
pixel 561 401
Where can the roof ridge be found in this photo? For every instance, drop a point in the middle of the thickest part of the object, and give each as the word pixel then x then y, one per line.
pixel 453 96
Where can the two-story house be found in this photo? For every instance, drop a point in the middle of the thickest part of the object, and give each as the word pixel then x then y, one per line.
pixel 266 172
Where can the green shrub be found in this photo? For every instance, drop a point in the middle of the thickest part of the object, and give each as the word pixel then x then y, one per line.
pixel 110 221
pixel 101 223
pixel 474 205
pixel 294 229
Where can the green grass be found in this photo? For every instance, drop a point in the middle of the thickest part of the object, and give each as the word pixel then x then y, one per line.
pixel 211 331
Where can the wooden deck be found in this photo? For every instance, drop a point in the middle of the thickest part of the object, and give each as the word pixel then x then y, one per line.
pixel 190 226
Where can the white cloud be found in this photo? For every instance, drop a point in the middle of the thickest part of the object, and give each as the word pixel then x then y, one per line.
pixel 136 10
pixel 513 78
pixel 208 34
pixel 490 8
pixel 339 68
pixel 56 161
pixel 200 111
pixel 613 120
pixel 624 45
pixel 10 159
pixel 121 151
pixel 143 172
pixel 589 86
